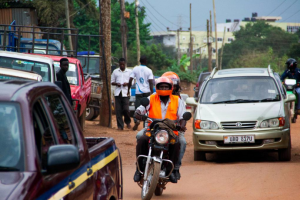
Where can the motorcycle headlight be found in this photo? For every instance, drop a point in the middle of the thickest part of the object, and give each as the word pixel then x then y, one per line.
pixel 162 137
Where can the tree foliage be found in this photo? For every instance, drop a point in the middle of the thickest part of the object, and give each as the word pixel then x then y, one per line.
pixel 257 45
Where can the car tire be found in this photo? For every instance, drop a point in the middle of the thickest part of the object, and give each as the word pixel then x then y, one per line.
pixel 199 156
pixel 96 113
pixel 89 113
pixel 285 154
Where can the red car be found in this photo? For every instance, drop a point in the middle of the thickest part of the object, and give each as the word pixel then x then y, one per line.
pixel 44 154
pixel 80 85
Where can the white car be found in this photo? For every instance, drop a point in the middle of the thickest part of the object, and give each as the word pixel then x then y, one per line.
pixel 242 109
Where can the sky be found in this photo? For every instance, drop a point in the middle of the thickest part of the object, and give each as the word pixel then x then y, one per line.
pixel 175 13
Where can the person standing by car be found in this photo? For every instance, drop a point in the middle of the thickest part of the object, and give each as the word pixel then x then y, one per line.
pixel 61 76
pixel 144 84
pixel 120 78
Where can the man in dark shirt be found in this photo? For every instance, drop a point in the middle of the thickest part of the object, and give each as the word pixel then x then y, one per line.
pixel 61 76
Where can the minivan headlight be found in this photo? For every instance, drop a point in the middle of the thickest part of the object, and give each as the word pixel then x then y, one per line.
pixel 199 124
pixel 275 122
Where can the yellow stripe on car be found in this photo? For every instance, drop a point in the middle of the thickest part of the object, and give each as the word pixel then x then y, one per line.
pixel 82 178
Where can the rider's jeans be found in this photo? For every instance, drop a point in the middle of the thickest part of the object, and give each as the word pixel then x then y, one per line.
pixel 182 142
pixel 298 94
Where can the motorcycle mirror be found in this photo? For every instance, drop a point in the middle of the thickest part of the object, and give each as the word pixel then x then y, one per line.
pixel 187 116
pixel 145 101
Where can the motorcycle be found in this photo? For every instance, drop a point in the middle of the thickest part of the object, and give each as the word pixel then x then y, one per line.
pixel 290 85
pixel 155 175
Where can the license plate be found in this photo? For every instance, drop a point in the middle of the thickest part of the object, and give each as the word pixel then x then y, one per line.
pixel 231 139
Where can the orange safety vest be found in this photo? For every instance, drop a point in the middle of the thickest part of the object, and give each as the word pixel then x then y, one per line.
pixel 155 108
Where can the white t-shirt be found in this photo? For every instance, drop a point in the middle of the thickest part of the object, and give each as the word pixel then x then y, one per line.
pixel 119 76
pixel 142 74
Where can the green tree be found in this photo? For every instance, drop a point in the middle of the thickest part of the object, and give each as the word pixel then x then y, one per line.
pixel 252 44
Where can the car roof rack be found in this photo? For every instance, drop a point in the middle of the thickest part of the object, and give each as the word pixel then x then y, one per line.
pixel 270 70
pixel 213 72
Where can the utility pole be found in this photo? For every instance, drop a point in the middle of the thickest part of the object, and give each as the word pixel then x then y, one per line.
pixel 68 26
pixel 210 43
pixel 222 48
pixel 216 36
pixel 105 52
pixel 137 33
pixel 210 24
pixel 123 31
pixel 208 47
pixel 178 48
pixel 191 41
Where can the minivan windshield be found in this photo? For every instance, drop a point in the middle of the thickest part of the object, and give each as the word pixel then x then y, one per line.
pixel 240 90
pixel 11 138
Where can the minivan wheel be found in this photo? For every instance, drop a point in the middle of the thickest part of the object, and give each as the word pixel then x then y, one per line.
pixel 199 156
pixel 285 154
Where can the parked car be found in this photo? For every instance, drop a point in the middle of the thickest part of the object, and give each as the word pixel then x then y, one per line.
pixel 12 74
pixel 242 109
pixel 44 154
pixel 80 85
pixel 199 83
pixel 33 63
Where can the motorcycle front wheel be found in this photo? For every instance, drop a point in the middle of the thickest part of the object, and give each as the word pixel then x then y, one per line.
pixel 151 181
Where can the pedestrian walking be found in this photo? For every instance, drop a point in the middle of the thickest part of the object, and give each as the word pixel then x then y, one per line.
pixel 144 84
pixel 120 78
pixel 61 76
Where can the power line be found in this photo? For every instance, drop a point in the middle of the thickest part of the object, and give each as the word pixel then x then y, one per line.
pixel 155 17
pixel 161 14
pixel 288 7
pixel 276 8
pixel 291 15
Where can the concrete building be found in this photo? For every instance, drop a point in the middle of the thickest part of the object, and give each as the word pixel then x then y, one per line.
pixel 237 24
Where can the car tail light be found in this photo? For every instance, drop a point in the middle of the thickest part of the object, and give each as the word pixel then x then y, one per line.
pixel 197 124
pixel 75 104
pixel 197 85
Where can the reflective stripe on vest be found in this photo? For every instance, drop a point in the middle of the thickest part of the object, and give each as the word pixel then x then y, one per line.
pixel 155 108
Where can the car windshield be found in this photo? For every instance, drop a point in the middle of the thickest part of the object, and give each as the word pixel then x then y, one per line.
pixel 42 48
pixel 240 90
pixel 11 141
pixel 42 69
pixel 91 67
pixel 72 74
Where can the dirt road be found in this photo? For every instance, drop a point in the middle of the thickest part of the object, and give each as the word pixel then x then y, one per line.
pixel 242 175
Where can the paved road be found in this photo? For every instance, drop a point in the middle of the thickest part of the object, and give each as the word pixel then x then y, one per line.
pixel 242 175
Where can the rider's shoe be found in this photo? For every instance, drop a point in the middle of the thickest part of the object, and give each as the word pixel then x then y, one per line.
pixel 177 174
pixel 137 176
pixel 173 178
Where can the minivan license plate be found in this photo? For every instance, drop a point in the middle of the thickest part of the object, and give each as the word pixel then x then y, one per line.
pixel 239 139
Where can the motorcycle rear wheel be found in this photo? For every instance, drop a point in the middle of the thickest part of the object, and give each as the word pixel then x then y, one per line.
pixel 158 191
pixel 150 183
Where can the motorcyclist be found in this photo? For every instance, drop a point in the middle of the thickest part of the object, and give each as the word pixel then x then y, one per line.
pixel 292 72
pixel 176 91
pixel 162 105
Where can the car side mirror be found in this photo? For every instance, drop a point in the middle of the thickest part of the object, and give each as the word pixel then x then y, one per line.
pixel 191 101
pixel 62 158
pixel 290 97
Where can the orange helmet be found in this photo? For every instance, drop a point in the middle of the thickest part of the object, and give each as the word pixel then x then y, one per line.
pixel 173 76
pixel 164 92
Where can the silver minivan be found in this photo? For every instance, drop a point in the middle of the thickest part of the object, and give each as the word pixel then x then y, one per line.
pixel 242 109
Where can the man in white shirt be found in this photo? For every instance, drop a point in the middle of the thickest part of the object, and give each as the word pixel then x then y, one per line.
pixel 144 84
pixel 120 78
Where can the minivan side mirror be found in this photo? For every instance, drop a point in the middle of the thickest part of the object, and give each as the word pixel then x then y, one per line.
pixel 290 97
pixel 191 101
pixel 62 158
